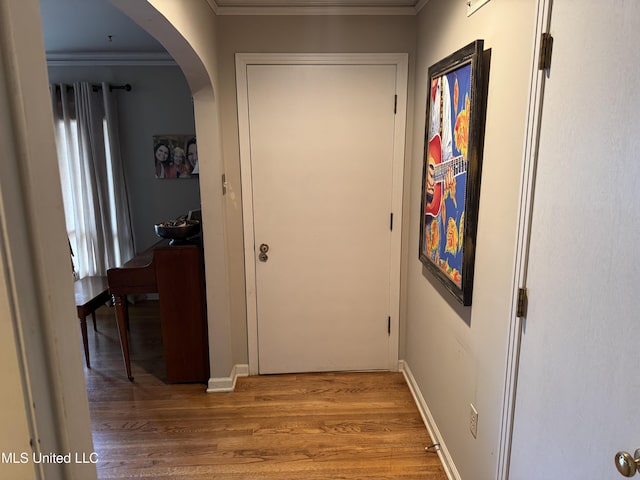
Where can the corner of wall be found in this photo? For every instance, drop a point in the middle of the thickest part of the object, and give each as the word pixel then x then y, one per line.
pixel 228 384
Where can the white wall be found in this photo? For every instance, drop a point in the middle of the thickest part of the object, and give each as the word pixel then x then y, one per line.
pixel 159 103
pixel 215 40
pixel 188 31
pixel 36 270
pixel 288 34
pixel 457 354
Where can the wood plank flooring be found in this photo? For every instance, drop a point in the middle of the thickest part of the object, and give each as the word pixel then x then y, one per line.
pixel 308 426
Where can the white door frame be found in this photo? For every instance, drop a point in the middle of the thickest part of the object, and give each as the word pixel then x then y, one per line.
pixel 527 186
pixel 243 60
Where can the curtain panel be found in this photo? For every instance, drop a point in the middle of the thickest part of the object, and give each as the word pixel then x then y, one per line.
pixel 92 177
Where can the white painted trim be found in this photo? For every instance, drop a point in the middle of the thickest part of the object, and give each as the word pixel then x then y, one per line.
pixel 152 59
pixel 474 5
pixel 401 61
pixel 429 422
pixel 213 5
pixel 300 10
pixel 245 59
pixel 247 213
pixel 315 3
pixel 228 384
pixel 19 416
pixel 527 182
pixel 315 7
pixel 402 69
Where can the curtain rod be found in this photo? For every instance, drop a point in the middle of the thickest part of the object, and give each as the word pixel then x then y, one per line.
pixel 96 88
pixel 126 87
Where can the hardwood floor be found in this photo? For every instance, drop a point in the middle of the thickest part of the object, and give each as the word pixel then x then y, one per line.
pixel 309 426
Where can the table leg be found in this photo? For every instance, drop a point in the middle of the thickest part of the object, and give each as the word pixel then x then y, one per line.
pixel 122 317
pixel 85 342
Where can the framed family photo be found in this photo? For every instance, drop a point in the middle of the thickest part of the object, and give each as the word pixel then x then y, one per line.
pixel 452 166
pixel 175 156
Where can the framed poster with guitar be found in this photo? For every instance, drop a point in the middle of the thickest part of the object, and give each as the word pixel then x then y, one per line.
pixel 452 167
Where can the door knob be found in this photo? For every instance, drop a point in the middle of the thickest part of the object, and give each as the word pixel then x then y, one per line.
pixel 626 464
pixel 264 248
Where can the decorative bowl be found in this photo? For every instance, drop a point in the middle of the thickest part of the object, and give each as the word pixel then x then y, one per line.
pixel 177 231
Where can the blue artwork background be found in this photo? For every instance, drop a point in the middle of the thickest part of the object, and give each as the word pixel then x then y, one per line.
pixel 453 208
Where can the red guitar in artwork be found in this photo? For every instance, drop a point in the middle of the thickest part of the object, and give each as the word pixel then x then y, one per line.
pixel 436 173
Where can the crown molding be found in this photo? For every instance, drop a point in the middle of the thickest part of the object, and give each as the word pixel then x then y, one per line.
pixel 420 5
pixel 213 5
pixel 315 7
pixel 73 59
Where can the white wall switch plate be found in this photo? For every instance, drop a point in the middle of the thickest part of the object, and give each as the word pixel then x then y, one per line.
pixel 473 421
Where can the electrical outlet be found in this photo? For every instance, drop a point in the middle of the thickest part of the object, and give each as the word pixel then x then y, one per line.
pixel 473 421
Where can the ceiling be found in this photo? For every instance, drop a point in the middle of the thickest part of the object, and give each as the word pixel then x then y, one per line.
pixel 96 26
pixel 83 26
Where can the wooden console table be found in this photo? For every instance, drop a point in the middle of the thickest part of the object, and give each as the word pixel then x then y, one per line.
pixel 176 273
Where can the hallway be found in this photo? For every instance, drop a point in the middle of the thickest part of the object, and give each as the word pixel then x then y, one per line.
pixel 312 426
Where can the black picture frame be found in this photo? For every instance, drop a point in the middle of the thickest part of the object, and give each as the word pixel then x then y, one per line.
pixel 175 156
pixel 452 166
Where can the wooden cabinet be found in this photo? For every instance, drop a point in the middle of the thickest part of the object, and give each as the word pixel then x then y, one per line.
pixel 176 273
pixel 180 278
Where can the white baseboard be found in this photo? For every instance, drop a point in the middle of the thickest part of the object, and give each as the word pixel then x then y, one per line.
pixel 228 384
pixel 447 462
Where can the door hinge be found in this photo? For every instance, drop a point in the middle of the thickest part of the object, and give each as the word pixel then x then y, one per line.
pixel 391 222
pixel 546 47
pixel 523 300
pixel 389 326
pixel 395 104
pixel 224 184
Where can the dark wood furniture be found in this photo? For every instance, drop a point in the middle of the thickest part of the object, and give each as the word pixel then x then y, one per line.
pixel 176 273
pixel 91 293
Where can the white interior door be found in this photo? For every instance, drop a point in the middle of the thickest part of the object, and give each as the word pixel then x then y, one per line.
pixel 322 140
pixel 578 384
